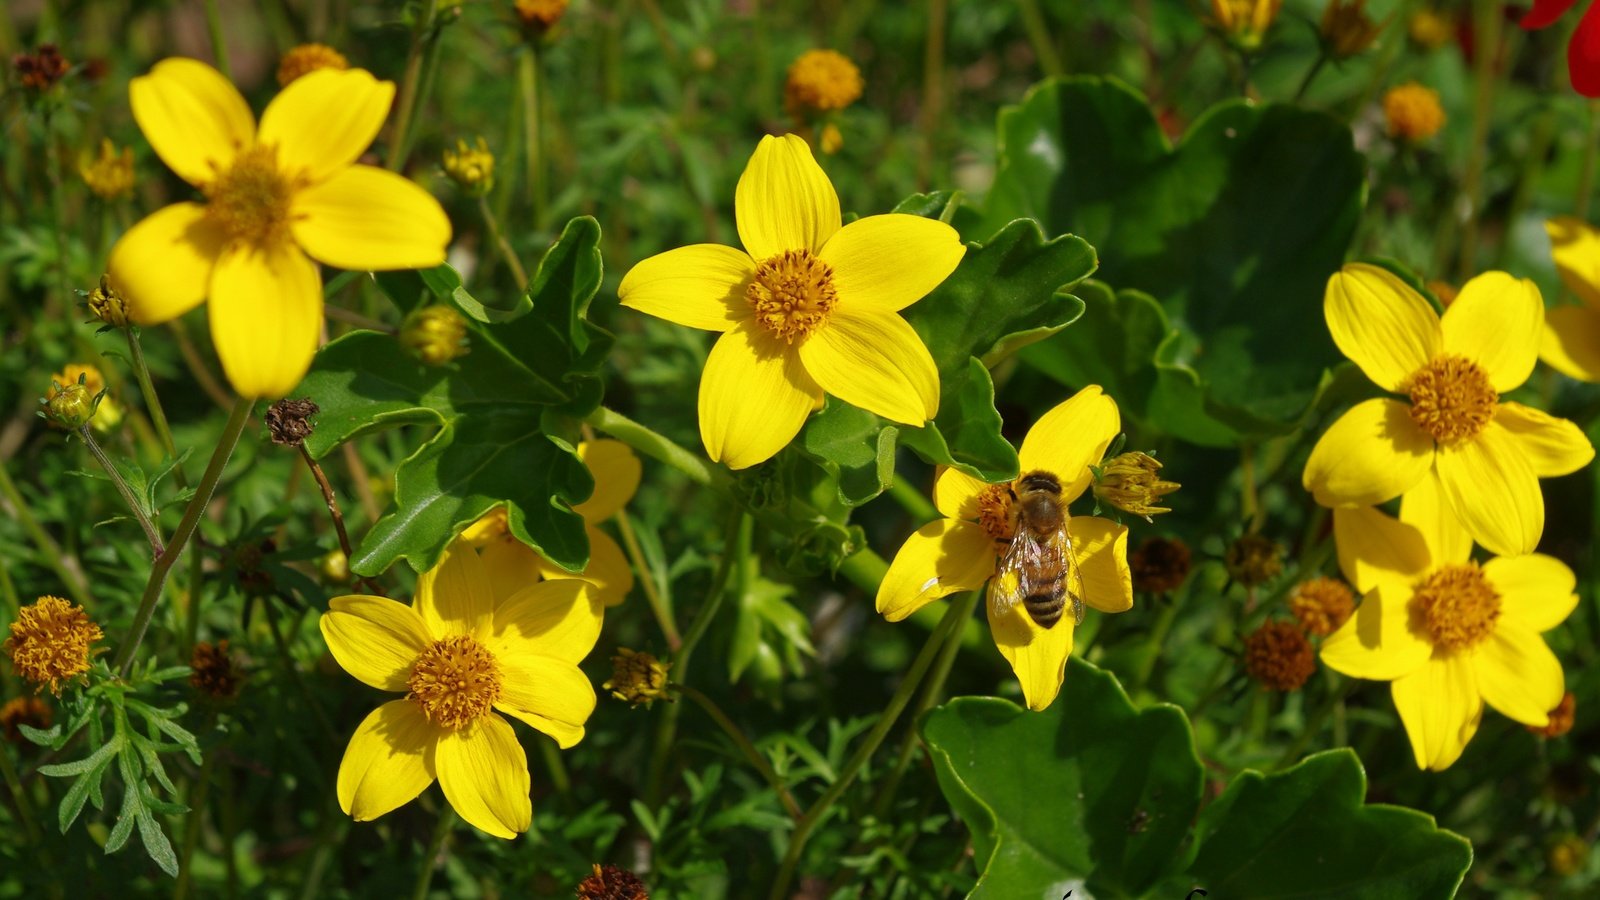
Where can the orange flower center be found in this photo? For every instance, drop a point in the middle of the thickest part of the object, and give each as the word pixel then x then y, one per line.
pixel 994 511
pixel 792 294
pixel 50 642
pixel 455 681
pixel 1455 607
pixel 250 201
pixel 1451 398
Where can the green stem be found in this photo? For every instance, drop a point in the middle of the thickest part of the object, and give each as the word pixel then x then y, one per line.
pixel 1486 25
pixel 1044 47
pixel 749 750
pixel 219 46
pixel 864 569
pixel 659 448
pixel 913 501
pixel 180 538
pixel 152 402
pixel 932 90
pixel 292 672
pixel 151 532
pixel 53 555
pixel 199 795
pixel 25 812
pixel 552 761
pixel 58 213
pixel 530 67
pixel 659 605
pixel 1157 640
pixel 951 622
pixel 504 246
pixel 447 817
pixel 422 36
pixel 1314 724
pixel 1311 75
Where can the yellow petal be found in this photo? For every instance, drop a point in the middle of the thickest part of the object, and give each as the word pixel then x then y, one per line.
pixel 784 200
pixel 701 286
pixel 368 219
pixel 1440 706
pixel 510 564
pixel 266 316
pixel 484 774
pixel 1375 550
pixel 1571 341
pixel 388 762
pixel 324 121
pixel 456 595
pixel 1575 245
pixel 551 695
pixel 955 493
pixel 939 559
pixel 1493 490
pixel 1372 454
pixel 1425 509
pixel 754 397
pixel 889 262
pixel 616 470
pixel 559 619
pixel 1518 674
pixel 193 117
pixel 874 361
pixel 375 639
pixel 1381 323
pixel 608 571
pixel 1101 548
pixel 163 264
pixel 1552 446
pixel 1071 437
pixel 1037 655
pixel 1536 591
pixel 1377 642
pixel 1497 320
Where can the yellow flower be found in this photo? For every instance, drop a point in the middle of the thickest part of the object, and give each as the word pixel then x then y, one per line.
pixel 962 551
pixel 1346 28
pixel 513 565
pixel 460 651
pixel 1486 454
pixel 50 642
pixel 1412 112
pixel 1245 22
pixel 1432 28
pixel 821 81
pixel 1448 633
pixel 307 58
pixel 811 307
pixel 471 168
pixel 110 175
pixel 1571 341
pixel 274 195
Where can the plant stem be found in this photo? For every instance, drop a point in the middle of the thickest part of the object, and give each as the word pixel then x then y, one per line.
pixel 951 622
pixel 1153 645
pixel 552 761
pixel 1314 724
pixel 914 502
pixel 1487 17
pixel 530 73
pixel 441 830
pixel 332 503
pixel 659 448
pixel 199 795
pixel 152 402
pixel 25 812
pixel 422 37
pixel 647 580
pixel 748 749
pixel 53 555
pixel 58 213
pixel 1311 75
pixel 500 242
pixel 932 90
pixel 1044 47
pixel 1591 147
pixel 151 532
pixel 219 46
pixel 180 538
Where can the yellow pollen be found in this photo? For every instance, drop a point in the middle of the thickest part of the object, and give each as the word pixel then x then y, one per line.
pixel 1451 398
pixel 49 642
pixel 792 294
pixel 995 513
pixel 250 200
pixel 455 681
pixel 1455 607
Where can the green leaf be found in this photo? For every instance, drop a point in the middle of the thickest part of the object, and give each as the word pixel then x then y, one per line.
pixel 1305 832
pixel 1088 790
pixel 494 409
pixel 1125 343
pixel 1235 231
pixel 967 432
pixel 855 447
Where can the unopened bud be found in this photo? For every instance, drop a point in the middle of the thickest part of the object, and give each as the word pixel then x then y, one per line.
pixel 1346 28
pixel 637 677
pixel 107 305
pixel 1131 483
pixel 70 406
pixel 471 168
pixel 435 334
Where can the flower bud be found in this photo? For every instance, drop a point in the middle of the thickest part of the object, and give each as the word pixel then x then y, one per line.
pixel 1244 22
pixel 538 17
pixel 471 168
pixel 1130 482
pixel 69 406
pixel 1346 28
pixel 107 305
pixel 637 677
pixel 435 334
pixel 1412 112
pixel 335 567
pixel 109 175
pixel 821 81
pixel 1253 560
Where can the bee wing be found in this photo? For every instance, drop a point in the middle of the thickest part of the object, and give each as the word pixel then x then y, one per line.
pixel 1061 542
pixel 1012 582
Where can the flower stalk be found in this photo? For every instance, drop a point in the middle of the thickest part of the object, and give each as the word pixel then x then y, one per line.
pixel 756 760
pixel 135 506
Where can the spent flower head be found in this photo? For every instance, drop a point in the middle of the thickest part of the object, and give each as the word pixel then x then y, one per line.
pixel 610 882
pixel 821 81
pixel 637 677
pixel 213 670
pixel 1278 656
pixel 1253 559
pixel 1411 112
pixel 1562 718
pixel 50 642
pixel 289 421
pixel 40 70
pixel 19 711
pixel 1321 605
pixel 539 17
pixel 1346 29
pixel 1159 564
pixel 307 58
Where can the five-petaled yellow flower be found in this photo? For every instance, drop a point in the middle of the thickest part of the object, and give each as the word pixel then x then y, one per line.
pixel 460 651
pixel 513 565
pixel 1572 333
pixel 1488 455
pixel 1448 633
pixel 963 551
pixel 277 197
pixel 808 307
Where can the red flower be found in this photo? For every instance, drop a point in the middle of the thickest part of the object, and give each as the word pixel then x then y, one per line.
pixel 1583 54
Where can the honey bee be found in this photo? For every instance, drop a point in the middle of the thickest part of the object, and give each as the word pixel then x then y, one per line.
pixel 1040 566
